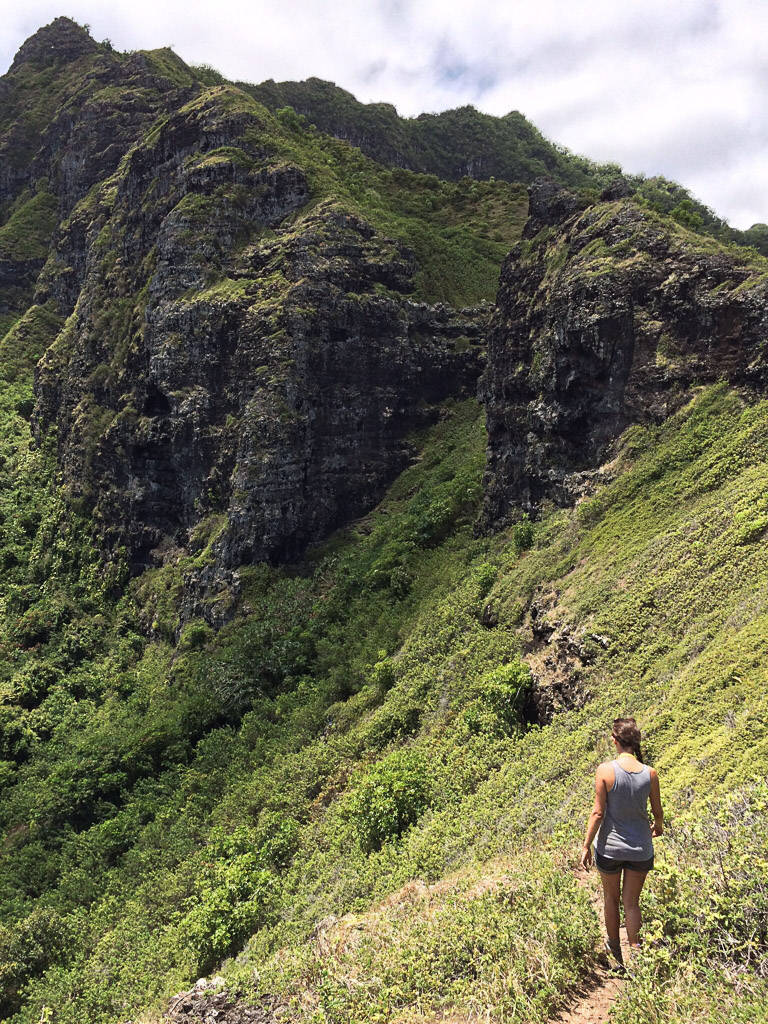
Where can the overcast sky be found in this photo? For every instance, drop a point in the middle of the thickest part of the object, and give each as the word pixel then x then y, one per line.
pixel 673 87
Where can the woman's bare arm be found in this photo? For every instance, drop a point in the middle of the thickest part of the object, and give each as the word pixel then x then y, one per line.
pixel 658 813
pixel 603 782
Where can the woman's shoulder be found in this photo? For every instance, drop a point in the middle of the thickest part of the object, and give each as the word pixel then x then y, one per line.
pixel 605 770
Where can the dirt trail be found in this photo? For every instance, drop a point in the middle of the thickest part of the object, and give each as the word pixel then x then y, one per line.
pixel 593 1003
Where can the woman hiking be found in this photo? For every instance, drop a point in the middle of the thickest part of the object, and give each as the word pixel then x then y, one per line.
pixel 625 838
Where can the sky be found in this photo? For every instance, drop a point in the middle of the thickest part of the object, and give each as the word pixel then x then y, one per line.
pixel 672 87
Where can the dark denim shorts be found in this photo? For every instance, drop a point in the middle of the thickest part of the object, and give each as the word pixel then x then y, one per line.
pixel 609 866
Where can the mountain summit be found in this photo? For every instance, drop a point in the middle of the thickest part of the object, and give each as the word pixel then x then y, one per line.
pixel 61 42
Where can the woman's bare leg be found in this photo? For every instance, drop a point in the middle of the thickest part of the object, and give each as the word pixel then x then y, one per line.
pixel 633 884
pixel 611 891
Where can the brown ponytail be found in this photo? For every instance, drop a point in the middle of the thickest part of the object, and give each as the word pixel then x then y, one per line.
pixel 626 733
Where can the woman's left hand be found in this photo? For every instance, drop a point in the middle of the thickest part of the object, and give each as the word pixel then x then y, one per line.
pixel 586 856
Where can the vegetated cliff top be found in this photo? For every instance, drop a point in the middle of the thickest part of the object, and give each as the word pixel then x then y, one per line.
pixel 466 141
pixel 58 43
pixel 607 314
pixel 449 144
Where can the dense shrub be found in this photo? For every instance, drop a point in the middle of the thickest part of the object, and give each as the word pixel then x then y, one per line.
pixel 706 916
pixel 40 621
pixel 34 943
pixel 499 699
pixel 522 533
pixel 390 798
pixel 234 896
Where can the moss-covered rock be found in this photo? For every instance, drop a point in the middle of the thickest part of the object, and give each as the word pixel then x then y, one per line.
pixel 607 314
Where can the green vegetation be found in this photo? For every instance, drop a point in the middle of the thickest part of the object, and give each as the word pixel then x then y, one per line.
pixel 26 234
pixel 358 740
pixel 450 144
pixel 466 141
pixel 673 200
pixel 358 726
pixel 459 232
pixel 507 942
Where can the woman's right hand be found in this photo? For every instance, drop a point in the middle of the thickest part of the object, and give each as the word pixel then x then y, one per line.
pixel 657 830
pixel 586 856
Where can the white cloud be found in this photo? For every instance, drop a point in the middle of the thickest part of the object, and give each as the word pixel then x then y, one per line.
pixel 659 87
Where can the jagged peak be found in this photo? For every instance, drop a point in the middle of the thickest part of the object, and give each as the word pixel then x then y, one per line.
pixel 61 41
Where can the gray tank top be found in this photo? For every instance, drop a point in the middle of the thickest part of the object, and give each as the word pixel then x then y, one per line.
pixel 625 832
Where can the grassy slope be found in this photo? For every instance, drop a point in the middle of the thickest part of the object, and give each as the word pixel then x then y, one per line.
pixel 670 562
pixel 292 809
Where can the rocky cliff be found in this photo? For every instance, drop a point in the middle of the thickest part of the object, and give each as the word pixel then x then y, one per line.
pixel 69 110
pixel 243 354
pixel 467 142
pixel 606 315
pixel 261 373
pixel 220 328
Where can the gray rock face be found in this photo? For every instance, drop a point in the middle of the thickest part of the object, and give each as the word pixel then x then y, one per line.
pixel 606 316
pixel 89 136
pixel 225 368
pixel 98 104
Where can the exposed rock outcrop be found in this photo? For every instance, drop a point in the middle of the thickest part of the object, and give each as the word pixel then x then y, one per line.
pixel 95 105
pixel 208 1002
pixel 226 367
pixel 70 108
pixel 557 654
pixel 606 315
pixel 60 42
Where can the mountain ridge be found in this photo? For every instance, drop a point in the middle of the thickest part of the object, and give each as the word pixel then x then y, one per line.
pixel 307 658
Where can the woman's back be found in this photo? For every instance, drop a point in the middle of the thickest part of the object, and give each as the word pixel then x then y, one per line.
pixel 625 832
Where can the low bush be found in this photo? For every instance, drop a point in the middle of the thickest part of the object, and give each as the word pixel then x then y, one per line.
pixel 390 798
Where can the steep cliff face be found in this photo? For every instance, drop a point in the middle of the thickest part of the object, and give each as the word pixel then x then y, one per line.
pixel 606 315
pixel 242 356
pixel 231 377
pixel 467 142
pixel 69 110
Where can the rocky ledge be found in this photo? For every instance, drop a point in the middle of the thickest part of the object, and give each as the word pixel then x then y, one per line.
pixel 606 315
pixel 208 1002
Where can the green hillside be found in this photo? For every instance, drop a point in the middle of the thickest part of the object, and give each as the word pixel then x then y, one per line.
pixel 362 723
pixel 357 795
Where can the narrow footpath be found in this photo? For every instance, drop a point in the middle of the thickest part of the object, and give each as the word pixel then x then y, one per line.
pixel 593 1003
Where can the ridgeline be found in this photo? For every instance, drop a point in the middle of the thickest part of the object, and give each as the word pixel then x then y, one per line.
pixel 355 473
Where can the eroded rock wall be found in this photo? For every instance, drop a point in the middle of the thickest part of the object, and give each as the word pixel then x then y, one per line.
pixel 606 315
pixel 230 363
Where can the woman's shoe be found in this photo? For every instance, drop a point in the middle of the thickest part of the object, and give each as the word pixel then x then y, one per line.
pixel 615 956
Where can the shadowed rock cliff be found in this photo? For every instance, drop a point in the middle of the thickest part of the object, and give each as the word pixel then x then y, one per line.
pixel 232 378
pixel 70 108
pixel 606 315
